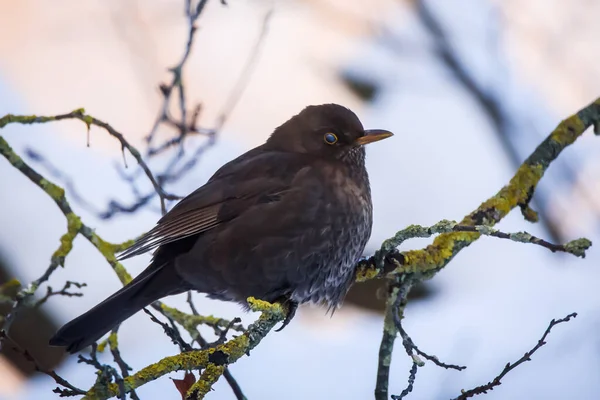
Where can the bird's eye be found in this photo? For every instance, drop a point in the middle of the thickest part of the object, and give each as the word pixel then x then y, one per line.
pixel 330 138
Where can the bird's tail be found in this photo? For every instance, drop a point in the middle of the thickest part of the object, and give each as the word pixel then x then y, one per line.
pixel 151 285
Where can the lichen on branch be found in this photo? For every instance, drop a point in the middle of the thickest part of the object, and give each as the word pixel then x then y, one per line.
pixel 517 193
pixel 219 356
pixel 415 265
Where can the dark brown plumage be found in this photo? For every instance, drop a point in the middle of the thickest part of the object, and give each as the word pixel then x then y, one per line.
pixel 286 220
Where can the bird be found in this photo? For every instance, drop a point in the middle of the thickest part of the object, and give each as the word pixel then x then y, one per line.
pixel 286 221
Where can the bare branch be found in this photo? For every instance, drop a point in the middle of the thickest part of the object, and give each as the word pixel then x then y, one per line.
pixel 192 14
pixel 69 390
pixel 411 349
pixel 219 356
pixel 89 121
pixel 106 373
pixel 465 394
pixel 517 193
pixel 172 332
pixel 412 375
pixel 62 292
pixel 235 387
pixel 405 268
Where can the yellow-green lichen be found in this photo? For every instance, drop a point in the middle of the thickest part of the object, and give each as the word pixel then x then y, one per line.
pixel 517 192
pixel 88 120
pixel 9 290
pixel 198 359
pixel 119 247
pixel 511 195
pixel 530 214
pixel 190 321
pixel 203 385
pixel 235 348
pixel 568 130
pixel 365 273
pixel 107 250
pixel 102 346
pixel 56 192
pixel 436 255
pixel 264 306
pixel 122 273
pixel 9 154
pixel 66 241
pixel 23 119
pixel 104 247
pixel 112 340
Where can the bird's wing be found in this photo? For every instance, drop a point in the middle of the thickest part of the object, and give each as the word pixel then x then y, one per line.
pixel 236 187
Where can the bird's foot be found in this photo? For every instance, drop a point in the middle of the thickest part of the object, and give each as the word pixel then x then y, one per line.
pixel 292 306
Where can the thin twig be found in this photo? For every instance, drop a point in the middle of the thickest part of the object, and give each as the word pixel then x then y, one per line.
pixel 106 373
pixel 190 302
pixel 192 14
pixel 222 355
pixel 412 375
pixel 465 394
pixel 116 353
pixel 411 349
pixel 176 170
pixel 69 390
pixel 62 292
pixel 235 387
pixel 171 332
pixel 576 247
pixel 190 321
pixel 89 121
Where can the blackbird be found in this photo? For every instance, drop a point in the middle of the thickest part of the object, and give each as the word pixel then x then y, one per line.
pixel 286 221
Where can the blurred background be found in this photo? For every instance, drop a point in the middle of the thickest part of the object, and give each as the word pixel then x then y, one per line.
pixel 470 87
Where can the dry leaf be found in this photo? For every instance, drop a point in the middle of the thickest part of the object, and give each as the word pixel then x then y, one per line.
pixel 183 385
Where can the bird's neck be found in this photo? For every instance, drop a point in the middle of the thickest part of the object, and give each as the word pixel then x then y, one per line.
pixel 354 160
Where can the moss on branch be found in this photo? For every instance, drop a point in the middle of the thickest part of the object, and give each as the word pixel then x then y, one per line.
pixel 518 192
pixel 190 322
pixel 89 120
pixel 415 265
pixel 219 356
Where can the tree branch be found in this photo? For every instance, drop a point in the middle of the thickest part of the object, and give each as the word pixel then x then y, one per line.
pixel 192 14
pixel 406 268
pixel 387 341
pixel 89 121
pixel 517 193
pixel 219 356
pixel 465 394
pixel 69 390
pixel 62 292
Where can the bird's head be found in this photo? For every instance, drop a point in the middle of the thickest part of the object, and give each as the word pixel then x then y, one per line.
pixel 327 130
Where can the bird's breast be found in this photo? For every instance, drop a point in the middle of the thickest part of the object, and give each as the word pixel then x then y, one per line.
pixel 344 232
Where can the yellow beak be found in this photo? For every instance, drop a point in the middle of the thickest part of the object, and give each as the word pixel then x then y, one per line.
pixel 373 135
